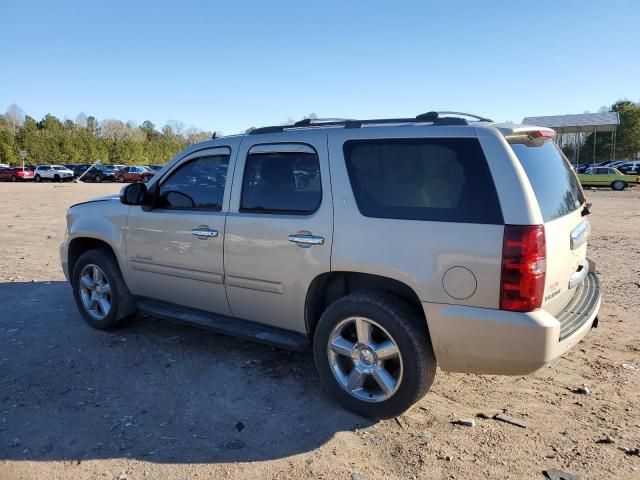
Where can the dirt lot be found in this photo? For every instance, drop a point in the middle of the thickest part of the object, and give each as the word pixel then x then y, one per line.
pixel 163 401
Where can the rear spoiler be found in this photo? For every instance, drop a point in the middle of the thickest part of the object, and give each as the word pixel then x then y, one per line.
pixel 530 132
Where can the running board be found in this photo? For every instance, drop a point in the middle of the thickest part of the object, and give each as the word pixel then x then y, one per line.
pixel 236 327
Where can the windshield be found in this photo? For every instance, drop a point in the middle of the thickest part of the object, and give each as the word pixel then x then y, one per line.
pixel 60 167
pixel 554 182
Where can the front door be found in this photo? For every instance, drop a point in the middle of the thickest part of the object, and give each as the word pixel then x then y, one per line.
pixel 279 228
pixel 174 251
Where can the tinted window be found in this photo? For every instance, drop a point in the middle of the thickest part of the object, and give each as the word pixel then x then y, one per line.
pixel 198 184
pixel 287 183
pixel 436 179
pixel 554 182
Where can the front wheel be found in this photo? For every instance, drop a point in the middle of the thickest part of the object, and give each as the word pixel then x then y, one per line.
pixel 99 290
pixel 374 354
pixel 619 185
pixel 38 178
pixel 97 179
pixel 56 178
pixel 14 178
pixel 120 179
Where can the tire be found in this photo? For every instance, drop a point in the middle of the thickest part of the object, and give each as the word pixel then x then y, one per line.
pixel 145 179
pixel 14 178
pixel 120 179
pixel 56 178
pixel 97 179
pixel 38 178
pixel 122 304
pixel 417 362
pixel 619 185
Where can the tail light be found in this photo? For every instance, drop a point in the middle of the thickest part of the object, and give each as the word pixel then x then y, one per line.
pixel 523 268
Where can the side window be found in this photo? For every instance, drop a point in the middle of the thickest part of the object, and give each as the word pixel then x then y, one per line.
pixel 438 179
pixel 287 183
pixel 197 184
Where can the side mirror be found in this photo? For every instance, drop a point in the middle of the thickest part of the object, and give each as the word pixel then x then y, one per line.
pixel 134 194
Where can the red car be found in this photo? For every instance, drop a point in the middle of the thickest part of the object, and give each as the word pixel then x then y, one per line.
pixel 15 174
pixel 134 174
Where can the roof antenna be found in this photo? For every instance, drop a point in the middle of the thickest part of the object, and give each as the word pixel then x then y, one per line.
pixel 214 136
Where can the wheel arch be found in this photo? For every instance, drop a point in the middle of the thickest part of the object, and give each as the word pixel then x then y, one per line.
pixel 82 244
pixel 330 286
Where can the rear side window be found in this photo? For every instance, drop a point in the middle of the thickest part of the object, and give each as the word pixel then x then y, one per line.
pixel 554 182
pixel 285 183
pixel 438 179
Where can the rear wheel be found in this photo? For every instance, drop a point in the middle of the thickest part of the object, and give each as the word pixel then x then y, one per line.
pixel 120 179
pixel 373 354
pixel 14 178
pixel 619 185
pixel 99 290
pixel 97 179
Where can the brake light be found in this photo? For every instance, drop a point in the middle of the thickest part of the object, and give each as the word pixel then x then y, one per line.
pixel 542 134
pixel 523 268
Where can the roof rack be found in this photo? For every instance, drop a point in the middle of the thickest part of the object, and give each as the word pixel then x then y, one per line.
pixel 435 118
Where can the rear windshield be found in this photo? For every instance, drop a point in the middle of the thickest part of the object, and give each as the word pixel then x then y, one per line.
pixel 554 182
pixel 439 179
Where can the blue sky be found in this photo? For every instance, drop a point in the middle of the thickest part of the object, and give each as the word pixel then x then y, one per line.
pixel 232 65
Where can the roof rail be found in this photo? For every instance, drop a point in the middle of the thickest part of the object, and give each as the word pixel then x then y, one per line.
pixel 461 114
pixel 319 121
pixel 436 118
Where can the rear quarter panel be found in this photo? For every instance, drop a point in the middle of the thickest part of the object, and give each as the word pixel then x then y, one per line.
pixel 417 253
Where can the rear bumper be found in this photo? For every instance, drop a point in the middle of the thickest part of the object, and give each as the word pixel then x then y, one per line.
pixel 485 341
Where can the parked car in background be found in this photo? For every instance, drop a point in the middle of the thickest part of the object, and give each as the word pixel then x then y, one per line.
pixel 77 168
pixel 55 173
pixel 135 173
pixel 607 177
pixel 99 173
pixel 117 166
pixel 155 168
pixel 16 174
pixel 4 165
pixel 630 168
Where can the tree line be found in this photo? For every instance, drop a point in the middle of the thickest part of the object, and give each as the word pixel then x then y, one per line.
pixel 86 139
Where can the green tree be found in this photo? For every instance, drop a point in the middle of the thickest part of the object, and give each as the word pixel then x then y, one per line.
pixel 85 140
pixel 627 140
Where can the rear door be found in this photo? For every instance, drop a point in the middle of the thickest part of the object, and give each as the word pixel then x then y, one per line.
pixel 279 228
pixel 561 202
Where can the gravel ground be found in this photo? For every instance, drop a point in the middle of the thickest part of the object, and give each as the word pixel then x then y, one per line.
pixel 163 401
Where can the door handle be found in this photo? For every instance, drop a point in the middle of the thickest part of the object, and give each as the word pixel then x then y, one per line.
pixel 304 239
pixel 204 232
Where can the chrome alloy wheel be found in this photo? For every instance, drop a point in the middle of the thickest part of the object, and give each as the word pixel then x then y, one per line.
pixel 95 292
pixel 365 359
